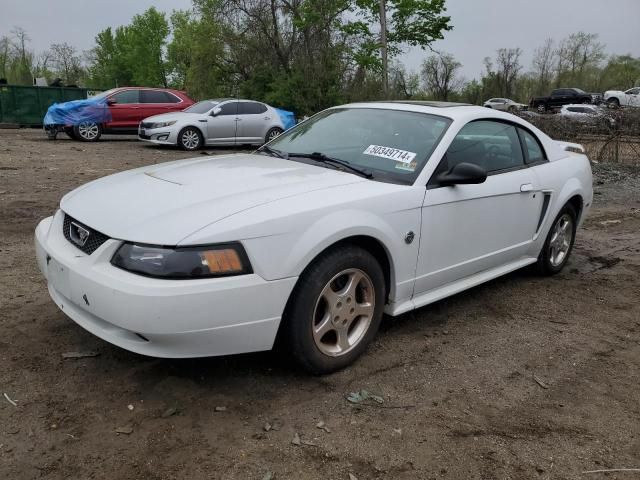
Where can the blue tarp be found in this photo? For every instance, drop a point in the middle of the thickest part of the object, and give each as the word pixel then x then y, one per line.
pixel 77 111
pixel 288 118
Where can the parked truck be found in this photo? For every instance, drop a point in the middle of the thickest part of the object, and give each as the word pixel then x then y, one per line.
pixel 563 96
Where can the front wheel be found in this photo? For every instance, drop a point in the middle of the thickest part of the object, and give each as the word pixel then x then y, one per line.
pixel 613 103
pixel 335 310
pixel 190 138
pixel 87 131
pixel 559 243
pixel 272 133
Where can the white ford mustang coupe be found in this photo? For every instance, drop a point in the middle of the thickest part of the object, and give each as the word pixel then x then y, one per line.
pixel 362 209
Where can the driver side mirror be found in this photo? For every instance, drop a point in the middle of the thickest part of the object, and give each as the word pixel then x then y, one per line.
pixel 216 111
pixel 462 174
pixel 111 101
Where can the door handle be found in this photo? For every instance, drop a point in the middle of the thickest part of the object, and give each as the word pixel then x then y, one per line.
pixel 267 118
pixel 526 187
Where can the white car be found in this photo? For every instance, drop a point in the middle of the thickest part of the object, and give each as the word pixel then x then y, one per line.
pixel 504 104
pixel 225 121
pixel 362 209
pixel 590 114
pixel 616 98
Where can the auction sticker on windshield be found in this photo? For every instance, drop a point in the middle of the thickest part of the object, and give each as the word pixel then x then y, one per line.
pixel 390 153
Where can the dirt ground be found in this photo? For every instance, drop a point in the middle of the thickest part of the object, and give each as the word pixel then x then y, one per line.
pixel 524 377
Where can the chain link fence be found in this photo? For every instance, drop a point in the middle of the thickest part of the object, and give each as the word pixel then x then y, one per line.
pixel 613 137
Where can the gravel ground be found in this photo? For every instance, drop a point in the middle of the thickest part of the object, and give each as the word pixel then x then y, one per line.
pixel 524 377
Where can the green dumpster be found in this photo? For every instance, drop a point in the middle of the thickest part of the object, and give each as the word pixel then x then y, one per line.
pixel 26 106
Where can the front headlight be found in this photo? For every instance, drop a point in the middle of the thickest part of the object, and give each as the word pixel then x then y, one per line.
pixel 183 262
pixel 162 124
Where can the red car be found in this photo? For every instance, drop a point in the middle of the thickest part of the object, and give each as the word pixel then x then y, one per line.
pixel 119 110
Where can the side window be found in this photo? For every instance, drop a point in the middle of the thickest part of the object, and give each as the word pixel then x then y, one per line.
pixel 532 147
pixel 634 91
pixel 128 96
pixel 251 108
pixel 230 108
pixel 491 145
pixel 157 96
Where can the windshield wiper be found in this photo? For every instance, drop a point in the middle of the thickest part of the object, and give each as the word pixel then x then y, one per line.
pixel 272 152
pixel 321 157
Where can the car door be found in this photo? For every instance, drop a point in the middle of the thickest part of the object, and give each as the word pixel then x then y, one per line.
pixel 253 120
pixel 222 124
pixel 632 97
pixel 156 102
pixel 467 229
pixel 124 107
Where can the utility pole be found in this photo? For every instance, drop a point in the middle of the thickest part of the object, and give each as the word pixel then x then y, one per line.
pixel 383 48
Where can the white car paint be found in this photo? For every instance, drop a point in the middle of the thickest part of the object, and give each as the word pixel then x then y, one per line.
pixel 284 214
pixel 629 98
pixel 504 104
pixel 217 125
pixel 586 113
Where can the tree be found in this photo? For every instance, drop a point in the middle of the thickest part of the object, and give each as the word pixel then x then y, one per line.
pixel 622 72
pixel 147 39
pixel 23 58
pixel 440 75
pixel 417 23
pixel 544 58
pixel 578 59
pixel 508 68
pixel 66 63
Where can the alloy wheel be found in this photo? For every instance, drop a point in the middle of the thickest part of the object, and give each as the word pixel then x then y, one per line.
pixel 343 312
pixel 273 134
pixel 190 139
pixel 561 239
pixel 88 130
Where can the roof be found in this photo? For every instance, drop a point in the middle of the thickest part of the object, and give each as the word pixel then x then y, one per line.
pixel 428 103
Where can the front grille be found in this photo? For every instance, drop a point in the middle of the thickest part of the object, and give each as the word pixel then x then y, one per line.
pixel 93 241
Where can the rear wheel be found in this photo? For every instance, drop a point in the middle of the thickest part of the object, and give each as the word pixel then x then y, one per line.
pixel 272 133
pixel 335 310
pixel 190 138
pixel 559 243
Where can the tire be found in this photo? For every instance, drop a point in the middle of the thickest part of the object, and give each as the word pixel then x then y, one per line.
pixel 541 107
pixel 190 139
pixel 511 109
pixel 587 102
pixel 272 133
pixel 87 131
pixel 322 330
pixel 613 103
pixel 550 263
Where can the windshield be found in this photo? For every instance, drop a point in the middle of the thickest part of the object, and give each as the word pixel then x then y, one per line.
pixel 202 107
pixel 393 145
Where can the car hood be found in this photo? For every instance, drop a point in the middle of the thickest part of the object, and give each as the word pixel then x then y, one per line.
pixel 163 204
pixel 167 117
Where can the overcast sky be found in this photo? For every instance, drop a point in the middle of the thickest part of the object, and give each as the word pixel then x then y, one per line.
pixel 480 26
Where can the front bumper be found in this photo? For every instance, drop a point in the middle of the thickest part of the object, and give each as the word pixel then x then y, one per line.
pixel 155 317
pixel 160 136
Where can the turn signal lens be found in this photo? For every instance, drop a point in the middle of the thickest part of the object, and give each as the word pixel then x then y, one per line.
pixel 222 261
